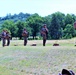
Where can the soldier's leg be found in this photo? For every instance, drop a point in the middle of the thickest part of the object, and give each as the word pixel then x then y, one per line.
pixel 3 42
pixel 44 42
pixel 8 42
pixel 25 41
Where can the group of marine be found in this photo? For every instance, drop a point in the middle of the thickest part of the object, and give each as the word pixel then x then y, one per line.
pixel 6 36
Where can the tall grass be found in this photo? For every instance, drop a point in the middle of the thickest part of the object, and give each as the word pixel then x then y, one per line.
pixel 37 60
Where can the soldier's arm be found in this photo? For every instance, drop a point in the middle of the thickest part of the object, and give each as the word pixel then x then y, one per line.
pixel 46 29
pixel 42 32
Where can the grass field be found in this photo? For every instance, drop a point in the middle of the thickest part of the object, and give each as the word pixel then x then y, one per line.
pixel 37 60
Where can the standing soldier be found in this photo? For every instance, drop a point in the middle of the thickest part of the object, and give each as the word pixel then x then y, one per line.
pixel 44 32
pixel 3 38
pixel 8 38
pixel 25 35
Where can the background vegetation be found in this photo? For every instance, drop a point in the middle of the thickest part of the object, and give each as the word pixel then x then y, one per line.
pixel 60 25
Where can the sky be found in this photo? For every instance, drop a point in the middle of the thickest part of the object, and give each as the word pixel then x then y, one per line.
pixel 42 7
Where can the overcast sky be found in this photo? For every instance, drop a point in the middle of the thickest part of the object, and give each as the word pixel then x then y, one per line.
pixel 42 7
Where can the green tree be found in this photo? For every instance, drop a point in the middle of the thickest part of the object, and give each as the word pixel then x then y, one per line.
pixel 34 22
pixel 73 17
pixel 56 25
pixel 20 26
pixel 69 19
pixel 8 24
pixel 69 31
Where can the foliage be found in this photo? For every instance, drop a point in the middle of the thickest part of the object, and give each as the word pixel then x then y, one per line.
pixel 9 25
pixel 21 16
pixel 60 26
pixel 68 31
pixel 20 26
pixel 69 19
pixel 55 28
pixel 34 22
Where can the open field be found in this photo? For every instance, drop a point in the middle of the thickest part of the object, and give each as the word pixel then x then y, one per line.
pixel 37 60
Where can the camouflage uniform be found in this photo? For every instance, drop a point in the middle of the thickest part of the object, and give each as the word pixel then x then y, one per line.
pixel 44 32
pixel 25 34
pixel 3 38
pixel 8 38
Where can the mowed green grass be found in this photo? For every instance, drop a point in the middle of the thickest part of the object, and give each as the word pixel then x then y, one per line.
pixel 37 60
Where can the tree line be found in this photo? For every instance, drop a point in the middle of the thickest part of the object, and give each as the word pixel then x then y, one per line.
pixel 60 26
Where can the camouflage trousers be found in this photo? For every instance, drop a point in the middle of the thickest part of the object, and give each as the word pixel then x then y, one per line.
pixel 8 42
pixel 44 40
pixel 3 42
pixel 25 41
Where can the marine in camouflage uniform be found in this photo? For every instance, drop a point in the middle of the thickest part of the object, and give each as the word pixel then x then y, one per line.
pixel 25 35
pixel 8 38
pixel 44 32
pixel 3 35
